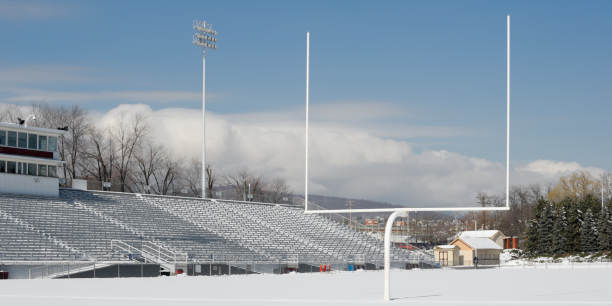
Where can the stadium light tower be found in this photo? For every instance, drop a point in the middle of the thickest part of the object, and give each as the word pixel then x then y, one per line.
pixel 204 37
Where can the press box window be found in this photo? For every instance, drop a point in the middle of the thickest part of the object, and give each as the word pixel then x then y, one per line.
pixel 52 144
pixel 11 139
pixel 52 171
pixel 2 138
pixel 42 170
pixel 42 143
pixel 22 140
pixel 11 167
pixel 32 169
pixel 32 141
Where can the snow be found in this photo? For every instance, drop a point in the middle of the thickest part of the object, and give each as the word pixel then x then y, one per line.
pixel 518 286
pixel 481 243
pixel 447 246
pixel 515 257
pixel 478 234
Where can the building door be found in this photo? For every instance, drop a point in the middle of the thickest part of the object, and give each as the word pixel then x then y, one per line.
pixel 443 258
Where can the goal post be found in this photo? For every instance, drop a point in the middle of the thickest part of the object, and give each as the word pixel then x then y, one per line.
pixel 403 211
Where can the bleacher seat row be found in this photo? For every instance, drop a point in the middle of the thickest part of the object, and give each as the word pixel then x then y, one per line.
pixel 81 225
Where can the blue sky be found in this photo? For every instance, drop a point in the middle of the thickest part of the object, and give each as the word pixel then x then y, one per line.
pixel 440 63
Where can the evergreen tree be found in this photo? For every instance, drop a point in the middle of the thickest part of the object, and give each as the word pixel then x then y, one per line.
pixel 605 230
pixel 574 219
pixel 560 231
pixel 545 230
pixel 588 233
pixel 532 238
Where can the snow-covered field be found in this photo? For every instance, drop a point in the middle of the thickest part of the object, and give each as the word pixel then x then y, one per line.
pixel 514 286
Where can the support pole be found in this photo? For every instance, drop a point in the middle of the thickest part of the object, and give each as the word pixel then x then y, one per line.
pixel 307 113
pixel 204 123
pixel 508 111
pixel 388 231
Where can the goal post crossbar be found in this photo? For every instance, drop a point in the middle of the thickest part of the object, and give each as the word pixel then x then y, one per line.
pixel 404 209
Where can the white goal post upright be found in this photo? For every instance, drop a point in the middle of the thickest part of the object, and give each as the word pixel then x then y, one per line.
pixel 403 212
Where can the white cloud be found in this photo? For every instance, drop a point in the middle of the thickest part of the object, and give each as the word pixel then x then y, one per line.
pixel 21 85
pixel 19 96
pixel 554 169
pixel 44 74
pixel 22 10
pixel 345 160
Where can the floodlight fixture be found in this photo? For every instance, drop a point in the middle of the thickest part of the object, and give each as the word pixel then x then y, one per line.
pixel 204 37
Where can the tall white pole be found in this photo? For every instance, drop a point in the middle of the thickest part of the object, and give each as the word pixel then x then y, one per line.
pixel 306 133
pixel 204 37
pixel 204 123
pixel 387 242
pixel 508 111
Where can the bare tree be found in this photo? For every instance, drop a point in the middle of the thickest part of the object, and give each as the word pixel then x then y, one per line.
pixel 192 178
pixel 243 182
pixel 99 153
pixel 148 159
pixel 78 124
pixel 278 191
pixel 577 185
pixel 10 113
pixel 165 176
pixel 127 135
pixel 211 179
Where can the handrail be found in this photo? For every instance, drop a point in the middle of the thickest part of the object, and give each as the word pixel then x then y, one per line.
pixel 150 251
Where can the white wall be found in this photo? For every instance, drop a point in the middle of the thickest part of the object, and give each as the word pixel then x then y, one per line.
pixel 25 184
pixel 79 184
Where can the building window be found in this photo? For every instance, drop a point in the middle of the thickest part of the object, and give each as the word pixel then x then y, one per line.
pixel 11 167
pixel 22 140
pixel 42 143
pixel 2 138
pixel 52 143
pixel 52 171
pixel 2 166
pixel 11 139
pixel 32 169
pixel 42 170
pixel 32 141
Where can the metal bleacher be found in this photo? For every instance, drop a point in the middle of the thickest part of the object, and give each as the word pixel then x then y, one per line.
pixel 21 243
pixel 158 225
pixel 67 223
pixel 82 224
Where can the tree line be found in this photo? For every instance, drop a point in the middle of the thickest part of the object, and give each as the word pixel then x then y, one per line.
pixel 561 219
pixel 127 156
pixel 570 226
